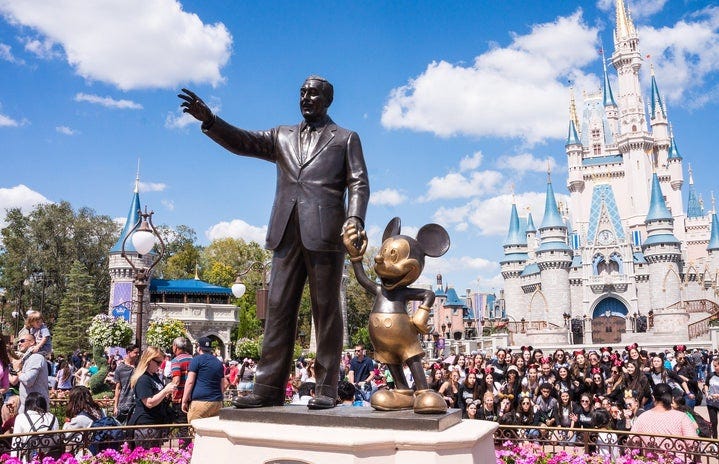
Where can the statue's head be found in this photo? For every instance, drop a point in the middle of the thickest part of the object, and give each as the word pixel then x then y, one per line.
pixel 401 258
pixel 316 95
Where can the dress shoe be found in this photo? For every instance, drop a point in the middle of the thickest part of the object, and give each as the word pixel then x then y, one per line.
pixel 429 402
pixel 321 402
pixel 254 401
pixel 392 400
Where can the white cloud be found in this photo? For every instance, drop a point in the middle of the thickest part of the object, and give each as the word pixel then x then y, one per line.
pixel 237 228
pixel 6 54
pixel 7 121
pixel 526 162
pixel 456 185
pixel 169 204
pixel 21 197
pixel 108 102
pixel 470 163
pixel 127 43
pixel 66 130
pixel 637 8
pixel 516 91
pixel 45 49
pixel 685 56
pixel 491 216
pixel 387 197
pixel 152 187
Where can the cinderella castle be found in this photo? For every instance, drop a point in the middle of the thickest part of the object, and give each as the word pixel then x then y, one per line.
pixel 627 259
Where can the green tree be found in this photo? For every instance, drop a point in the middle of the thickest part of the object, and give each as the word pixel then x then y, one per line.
pixel 182 254
pixel 162 332
pixel 38 250
pixel 77 309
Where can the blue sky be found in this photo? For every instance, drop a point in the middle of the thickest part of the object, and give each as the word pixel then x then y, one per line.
pixel 458 104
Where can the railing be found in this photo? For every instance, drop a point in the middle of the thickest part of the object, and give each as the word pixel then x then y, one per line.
pixel 696 306
pixel 523 327
pixel 83 441
pixel 607 442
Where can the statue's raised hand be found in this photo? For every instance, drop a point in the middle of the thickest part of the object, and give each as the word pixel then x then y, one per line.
pixel 194 106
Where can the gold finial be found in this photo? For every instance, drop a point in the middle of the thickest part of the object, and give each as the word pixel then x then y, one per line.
pixel 197 271
pixel 573 110
pixel 549 171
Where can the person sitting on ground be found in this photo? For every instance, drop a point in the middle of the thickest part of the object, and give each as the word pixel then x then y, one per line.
pixel 470 410
pixel 488 409
pixel 345 393
pixel 305 393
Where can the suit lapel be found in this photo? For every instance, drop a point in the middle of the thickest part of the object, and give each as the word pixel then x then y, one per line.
pixel 326 136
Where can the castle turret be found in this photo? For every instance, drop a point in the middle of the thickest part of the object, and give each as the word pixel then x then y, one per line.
pixel 554 258
pixel 694 205
pixel 610 106
pixel 662 251
pixel 515 256
pixel 531 233
pixel 123 294
pixel 573 147
pixel 658 116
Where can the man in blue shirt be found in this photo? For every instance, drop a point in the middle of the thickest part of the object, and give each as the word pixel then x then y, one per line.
pixel 205 385
pixel 361 373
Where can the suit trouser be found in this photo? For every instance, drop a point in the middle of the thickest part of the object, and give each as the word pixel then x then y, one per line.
pixel 292 265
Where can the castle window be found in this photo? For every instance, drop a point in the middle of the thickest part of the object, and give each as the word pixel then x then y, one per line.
pixel 595 133
pixel 597 149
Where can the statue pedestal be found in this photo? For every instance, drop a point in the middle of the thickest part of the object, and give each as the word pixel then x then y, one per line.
pixel 341 435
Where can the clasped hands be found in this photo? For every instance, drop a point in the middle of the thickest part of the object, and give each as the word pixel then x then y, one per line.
pixel 354 239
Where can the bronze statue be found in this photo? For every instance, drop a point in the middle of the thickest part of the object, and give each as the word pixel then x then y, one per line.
pixel 394 334
pixel 322 189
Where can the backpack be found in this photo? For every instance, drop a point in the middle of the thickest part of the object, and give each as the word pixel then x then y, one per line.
pixel 105 439
pixel 41 446
pixel 704 427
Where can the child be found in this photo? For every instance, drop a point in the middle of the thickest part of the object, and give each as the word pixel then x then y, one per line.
pixel 37 328
pixel 606 440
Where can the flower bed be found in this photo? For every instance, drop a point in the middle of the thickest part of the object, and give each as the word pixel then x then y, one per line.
pixel 528 453
pixel 125 455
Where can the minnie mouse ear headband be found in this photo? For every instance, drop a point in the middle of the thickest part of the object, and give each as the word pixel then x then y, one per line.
pixel 489 370
pixel 679 348
pixel 605 349
pixel 576 352
pixel 436 366
pixel 545 360
pixel 526 348
pixel 631 347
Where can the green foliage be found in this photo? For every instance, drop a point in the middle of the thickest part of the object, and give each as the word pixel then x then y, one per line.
pixel 361 337
pixel 249 348
pixel 161 332
pixel 219 273
pixel 77 308
pixel 39 249
pixel 106 331
pixel 97 382
pixel 248 326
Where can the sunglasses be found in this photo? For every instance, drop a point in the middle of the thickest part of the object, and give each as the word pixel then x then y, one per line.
pixel 584 401
pixel 158 361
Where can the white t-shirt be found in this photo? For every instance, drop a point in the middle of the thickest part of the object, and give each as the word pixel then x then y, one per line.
pixel 22 425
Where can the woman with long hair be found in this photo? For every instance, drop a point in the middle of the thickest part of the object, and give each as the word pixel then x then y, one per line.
pixel 470 410
pixel 149 397
pixel 81 409
pixel 711 393
pixel 633 383
pixel 35 417
pixel 436 377
pixel 566 417
pixel 528 416
pixel 658 373
pixel 597 388
pixel 64 376
pixel 450 389
pixel 468 390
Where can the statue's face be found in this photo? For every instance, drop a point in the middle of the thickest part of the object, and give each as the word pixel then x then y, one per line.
pixel 313 101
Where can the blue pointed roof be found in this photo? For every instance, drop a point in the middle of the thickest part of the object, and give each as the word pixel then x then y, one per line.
pixel 515 235
pixel 572 136
pixel 607 90
pixel 714 237
pixel 673 150
pixel 187 286
pixel 132 217
pixel 552 218
pixel 657 207
pixel 530 223
pixel 452 299
pixel 656 102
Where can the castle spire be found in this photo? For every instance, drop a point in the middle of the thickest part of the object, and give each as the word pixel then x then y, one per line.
pixel 656 103
pixel 694 205
pixel 515 235
pixel 658 210
pixel 673 150
pixel 530 223
pixel 714 237
pixel 625 26
pixel 552 218
pixel 607 90
pixel 133 216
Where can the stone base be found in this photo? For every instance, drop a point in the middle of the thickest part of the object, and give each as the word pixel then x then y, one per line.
pixel 412 438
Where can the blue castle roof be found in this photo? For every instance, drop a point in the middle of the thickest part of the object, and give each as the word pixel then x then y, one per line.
pixel 187 286
pixel 714 238
pixel 658 210
pixel 515 235
pixel 530 223
pixel 552 218
pixel 608 96
pixel 673 150
pixel 132 217
pixel 452 299
pixel 657 104
pixel 572 136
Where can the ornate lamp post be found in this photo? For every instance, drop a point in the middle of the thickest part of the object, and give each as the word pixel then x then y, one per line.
pixel 144 237
pixel 239 289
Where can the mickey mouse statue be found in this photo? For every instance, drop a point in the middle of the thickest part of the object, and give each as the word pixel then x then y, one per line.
pixel 393 333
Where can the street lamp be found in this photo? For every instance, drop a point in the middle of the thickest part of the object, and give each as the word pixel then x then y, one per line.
pixel 239 289
pixel 144 237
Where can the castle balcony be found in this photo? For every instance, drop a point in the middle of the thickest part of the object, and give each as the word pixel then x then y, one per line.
pixel 190 312
pixel 604 283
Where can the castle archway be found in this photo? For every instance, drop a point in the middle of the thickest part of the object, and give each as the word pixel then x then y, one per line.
pixel 609 321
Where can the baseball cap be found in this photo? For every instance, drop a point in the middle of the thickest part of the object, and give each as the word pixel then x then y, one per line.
pixel 204 344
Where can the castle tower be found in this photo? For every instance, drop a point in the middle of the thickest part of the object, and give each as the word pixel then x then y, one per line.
pixel 531 233
pixel 610 106
pixel 123 294
pixel 662 252
pixel 515 256
pixel 554 258
pixel 713 247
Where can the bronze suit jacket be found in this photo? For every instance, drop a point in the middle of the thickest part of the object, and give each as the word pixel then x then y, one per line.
pixel 329 186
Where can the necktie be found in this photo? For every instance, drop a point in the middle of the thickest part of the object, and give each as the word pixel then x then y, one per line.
pixel 306 141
